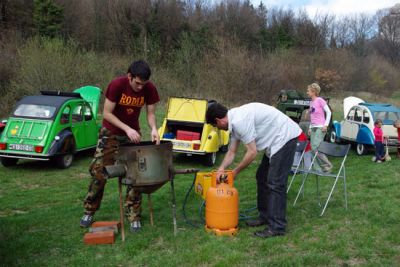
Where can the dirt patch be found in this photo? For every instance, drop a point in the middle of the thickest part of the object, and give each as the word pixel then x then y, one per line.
pixel 83 175
pixel 356 262
pixel 8 213
pixel 30 186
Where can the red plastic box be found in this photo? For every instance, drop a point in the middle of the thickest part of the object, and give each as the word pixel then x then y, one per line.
pixel 187 136
pixel 106 237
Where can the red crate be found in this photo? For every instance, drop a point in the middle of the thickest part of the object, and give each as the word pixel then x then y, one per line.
pixel 106 237
pixel 186 135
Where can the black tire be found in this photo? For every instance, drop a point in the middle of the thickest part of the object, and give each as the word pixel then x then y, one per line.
pixel 224 148
pixel 210 158
pixel 361 149
pixel 333 137
pixel 64 161
pixel 8 162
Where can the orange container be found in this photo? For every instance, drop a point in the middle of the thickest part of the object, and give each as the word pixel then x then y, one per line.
pixel 222 207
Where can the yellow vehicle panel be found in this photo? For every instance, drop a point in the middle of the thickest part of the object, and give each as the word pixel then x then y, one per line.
pixel 186 109
pixel 185 126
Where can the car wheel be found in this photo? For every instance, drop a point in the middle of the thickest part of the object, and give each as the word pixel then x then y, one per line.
pixel 210 159
pixel 8 162
pixel 333 137
pixel 64 161
pixel 361 149
pixel 224 148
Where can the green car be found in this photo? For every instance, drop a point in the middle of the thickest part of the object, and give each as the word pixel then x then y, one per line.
pixel 51 126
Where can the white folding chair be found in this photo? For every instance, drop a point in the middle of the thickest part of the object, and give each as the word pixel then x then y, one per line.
pixel 298 163
pixel 333 150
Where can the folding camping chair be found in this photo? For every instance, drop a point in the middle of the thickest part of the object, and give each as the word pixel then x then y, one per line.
pixel 333 150
pixel 298 163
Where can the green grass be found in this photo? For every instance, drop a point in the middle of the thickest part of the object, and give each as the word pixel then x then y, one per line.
pixel 40 209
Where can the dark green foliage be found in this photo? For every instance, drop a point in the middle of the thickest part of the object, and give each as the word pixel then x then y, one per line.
pixel 47 16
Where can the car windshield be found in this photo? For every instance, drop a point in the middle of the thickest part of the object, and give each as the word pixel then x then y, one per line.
pixel 386 117
pixel 35 111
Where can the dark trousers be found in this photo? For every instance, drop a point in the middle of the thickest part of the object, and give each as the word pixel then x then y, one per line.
pixel 379 150
pixel 272 176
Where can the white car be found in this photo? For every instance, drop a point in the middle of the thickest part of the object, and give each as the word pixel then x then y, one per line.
pixel 358 124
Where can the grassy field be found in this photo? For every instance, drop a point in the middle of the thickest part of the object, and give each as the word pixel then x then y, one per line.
pixel 40 209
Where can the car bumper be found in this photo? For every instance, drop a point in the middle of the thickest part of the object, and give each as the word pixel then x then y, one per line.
pixel 392 142
pixel 19 156
pixel 189 152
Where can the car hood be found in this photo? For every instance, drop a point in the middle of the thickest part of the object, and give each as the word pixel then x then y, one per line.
pixel 187 109
pixel 350 102
pixel 91 94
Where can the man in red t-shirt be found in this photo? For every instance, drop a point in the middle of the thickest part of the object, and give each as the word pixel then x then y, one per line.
pixel 124 98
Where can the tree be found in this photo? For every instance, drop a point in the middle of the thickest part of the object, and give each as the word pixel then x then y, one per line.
pixel 389 35
pixel 47 17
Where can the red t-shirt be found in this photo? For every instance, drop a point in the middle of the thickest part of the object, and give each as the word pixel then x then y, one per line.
pixel 378 133
pixel 303 138
pixel 128 102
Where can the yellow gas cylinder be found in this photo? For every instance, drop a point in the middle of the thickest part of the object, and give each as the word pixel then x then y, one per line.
pixel 222 206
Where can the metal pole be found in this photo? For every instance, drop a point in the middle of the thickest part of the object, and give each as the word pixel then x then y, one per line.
pixel 173 206
pixel 121 210
pixel 151 210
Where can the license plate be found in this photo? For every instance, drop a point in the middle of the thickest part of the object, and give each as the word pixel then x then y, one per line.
pixel 182 145
pixel 20 147
pixel 301 102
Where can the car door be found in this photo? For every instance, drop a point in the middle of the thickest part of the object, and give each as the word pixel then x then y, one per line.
pixel 356 123
pixel 78 125
pixel 91 129
pixel 347 125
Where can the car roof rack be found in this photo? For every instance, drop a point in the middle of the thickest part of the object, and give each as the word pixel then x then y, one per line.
pixel 60 93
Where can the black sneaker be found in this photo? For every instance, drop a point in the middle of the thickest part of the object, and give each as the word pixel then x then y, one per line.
pixel 86 220
pixel 135 226
pixel 267 233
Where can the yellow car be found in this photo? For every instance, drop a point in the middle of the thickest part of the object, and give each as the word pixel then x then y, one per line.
pixel 185 125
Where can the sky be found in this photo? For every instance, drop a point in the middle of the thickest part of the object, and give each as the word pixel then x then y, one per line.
pixel 336 7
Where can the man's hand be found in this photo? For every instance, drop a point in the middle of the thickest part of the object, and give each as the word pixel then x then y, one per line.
pixel 220 174
pixel 155 137
pixel 133 135
pixel 324 129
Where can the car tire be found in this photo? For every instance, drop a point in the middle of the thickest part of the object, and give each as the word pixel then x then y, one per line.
pixel 8 162
pixel 333 137
pixel 224 148
pixel 64 161
pixel 210 158
pixel 361 149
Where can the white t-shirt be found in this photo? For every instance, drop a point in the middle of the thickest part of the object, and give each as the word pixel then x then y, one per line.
pixel 267 126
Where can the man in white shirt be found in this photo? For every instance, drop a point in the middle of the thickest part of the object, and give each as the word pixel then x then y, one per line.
pixel 261 128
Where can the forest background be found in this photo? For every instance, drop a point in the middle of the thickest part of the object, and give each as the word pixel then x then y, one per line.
pixel 231 51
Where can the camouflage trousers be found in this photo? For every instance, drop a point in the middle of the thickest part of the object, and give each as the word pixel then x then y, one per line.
pixel 106 150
